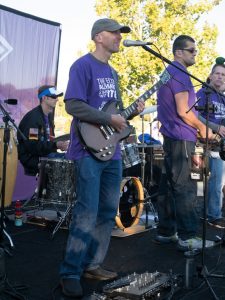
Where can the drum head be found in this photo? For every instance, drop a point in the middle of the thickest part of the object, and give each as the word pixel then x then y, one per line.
pixel 131 202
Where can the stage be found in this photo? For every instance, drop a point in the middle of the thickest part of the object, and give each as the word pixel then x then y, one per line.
pixel 36 257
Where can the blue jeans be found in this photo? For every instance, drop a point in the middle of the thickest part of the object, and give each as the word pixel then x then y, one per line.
pixel 177 192
pixel 98 194
pixel 215 185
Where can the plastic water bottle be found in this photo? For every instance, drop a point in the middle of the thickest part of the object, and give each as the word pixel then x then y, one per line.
pixel 18 214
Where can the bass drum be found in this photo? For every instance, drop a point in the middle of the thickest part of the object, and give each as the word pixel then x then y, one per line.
pixel 131 203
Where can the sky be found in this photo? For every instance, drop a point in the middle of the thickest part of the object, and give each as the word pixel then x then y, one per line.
pixel 77 17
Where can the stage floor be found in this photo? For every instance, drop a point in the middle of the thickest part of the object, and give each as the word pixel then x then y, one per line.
pixel 36 258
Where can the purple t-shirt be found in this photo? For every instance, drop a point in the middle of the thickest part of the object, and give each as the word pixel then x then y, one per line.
pixel 218 116
pixel 171 123
pixel 91 81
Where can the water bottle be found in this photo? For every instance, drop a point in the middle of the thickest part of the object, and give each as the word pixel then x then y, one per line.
pixel 18 214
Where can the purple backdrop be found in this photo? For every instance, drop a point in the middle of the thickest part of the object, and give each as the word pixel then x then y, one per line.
pixel 29 52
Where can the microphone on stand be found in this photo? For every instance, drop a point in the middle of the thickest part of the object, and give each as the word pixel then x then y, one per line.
pixel 11 101
pixel 129 43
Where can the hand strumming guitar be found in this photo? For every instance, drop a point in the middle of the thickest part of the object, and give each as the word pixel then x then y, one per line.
pixel 118 122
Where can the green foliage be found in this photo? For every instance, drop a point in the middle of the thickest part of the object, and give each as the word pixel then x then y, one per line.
pixel 158 21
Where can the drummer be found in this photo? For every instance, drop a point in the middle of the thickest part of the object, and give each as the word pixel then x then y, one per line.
pixel 38 127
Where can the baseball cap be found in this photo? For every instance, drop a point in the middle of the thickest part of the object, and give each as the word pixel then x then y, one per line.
pixel 50 92
pixel 108 25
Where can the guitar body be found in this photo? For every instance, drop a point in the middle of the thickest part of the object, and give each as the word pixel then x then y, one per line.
pixel 101 140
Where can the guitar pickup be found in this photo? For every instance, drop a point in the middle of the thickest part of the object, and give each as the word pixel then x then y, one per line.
pixel 105 134
pixel 110 130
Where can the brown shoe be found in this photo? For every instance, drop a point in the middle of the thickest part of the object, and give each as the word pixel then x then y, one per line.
pixel 99 274
pixel 71 287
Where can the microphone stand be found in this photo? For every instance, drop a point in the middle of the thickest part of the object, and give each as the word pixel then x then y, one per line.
pixel 202 271
pixel 6 138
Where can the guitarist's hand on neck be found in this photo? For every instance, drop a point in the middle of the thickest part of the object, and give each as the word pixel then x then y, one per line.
pixel 140 106
pixel 118 122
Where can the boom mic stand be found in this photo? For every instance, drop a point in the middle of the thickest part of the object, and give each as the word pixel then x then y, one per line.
pixel 203 271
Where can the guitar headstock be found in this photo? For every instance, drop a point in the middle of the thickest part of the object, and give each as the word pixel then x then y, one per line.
pixel 165 76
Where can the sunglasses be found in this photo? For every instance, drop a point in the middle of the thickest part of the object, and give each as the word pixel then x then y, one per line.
pixel 190 50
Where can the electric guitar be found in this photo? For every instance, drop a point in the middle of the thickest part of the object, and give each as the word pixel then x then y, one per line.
pixel 101 140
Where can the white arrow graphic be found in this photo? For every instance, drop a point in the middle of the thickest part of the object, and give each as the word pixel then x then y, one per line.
pixel 5 48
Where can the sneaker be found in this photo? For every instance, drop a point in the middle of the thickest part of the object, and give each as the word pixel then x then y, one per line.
pixel 160 239
pixel 99 274
pixel 71 287
pixel 218 223
pixel 193 243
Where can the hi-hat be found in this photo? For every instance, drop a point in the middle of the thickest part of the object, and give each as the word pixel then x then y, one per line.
pixel 149 110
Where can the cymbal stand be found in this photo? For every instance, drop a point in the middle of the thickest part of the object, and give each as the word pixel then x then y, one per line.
pixel 65 217
pixel 147 198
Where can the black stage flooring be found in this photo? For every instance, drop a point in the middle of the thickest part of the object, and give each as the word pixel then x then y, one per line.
pixel 36 258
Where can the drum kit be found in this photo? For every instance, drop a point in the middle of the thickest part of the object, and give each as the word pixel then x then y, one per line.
pixel 56 183
pixel 56 180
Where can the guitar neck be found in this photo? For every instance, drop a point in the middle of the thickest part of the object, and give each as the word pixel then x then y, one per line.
pixel 132 108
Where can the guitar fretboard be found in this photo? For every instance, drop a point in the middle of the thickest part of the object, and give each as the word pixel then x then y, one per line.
pixel 131 109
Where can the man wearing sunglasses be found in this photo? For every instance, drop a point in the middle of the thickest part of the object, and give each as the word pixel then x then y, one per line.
pixel 216 117
pixel 178 221
pixel 38 128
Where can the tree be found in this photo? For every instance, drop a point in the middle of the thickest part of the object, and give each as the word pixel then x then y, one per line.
pixel 158 21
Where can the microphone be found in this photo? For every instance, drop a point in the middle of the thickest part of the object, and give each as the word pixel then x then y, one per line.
pixel 11 101
pixel 129 43
pixel 220 60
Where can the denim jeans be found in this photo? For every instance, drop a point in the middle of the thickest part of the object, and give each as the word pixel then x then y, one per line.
pixel 215 185
pixel 177 191
pixel 98 194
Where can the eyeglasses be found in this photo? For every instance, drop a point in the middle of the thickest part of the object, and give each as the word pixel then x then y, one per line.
pixel 190 50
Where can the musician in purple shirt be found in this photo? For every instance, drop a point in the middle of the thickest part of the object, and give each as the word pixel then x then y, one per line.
pixel 92 84
pixel 177 218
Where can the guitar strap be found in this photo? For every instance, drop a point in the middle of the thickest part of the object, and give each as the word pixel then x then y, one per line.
pixel 119 99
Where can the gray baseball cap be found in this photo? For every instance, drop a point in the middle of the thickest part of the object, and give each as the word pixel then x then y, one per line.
pixel 108 25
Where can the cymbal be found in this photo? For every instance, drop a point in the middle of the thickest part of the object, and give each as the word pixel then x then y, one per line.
pixel 149 110
pixel 62 138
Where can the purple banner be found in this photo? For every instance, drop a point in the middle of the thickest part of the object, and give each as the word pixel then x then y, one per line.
pixel 29 52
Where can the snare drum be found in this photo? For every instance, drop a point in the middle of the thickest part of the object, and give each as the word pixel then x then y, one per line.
pixel 11 164
pixel 130 155
pixel 131 202
pixel 56 182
